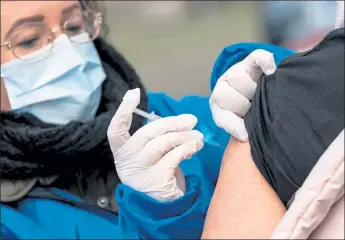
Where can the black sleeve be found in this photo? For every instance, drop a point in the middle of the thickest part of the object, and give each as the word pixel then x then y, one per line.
pixel 296 113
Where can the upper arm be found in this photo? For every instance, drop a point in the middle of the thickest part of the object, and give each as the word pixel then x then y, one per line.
pixel 296 113
pixel 244 205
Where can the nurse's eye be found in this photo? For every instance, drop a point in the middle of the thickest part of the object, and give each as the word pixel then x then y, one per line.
pixel 74 29
pixel 29 37
pixel 28 43
pixel 74 25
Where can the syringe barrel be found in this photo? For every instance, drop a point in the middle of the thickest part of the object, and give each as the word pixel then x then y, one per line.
pixel 149 116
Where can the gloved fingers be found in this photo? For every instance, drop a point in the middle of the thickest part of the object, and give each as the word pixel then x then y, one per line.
pixel 155 149
pixel 184 122
pixel 172 159
pixel 229 99
pixel 259 62
pixel 118 130
pixel 230 122
pixel 180 180
pixel 240 80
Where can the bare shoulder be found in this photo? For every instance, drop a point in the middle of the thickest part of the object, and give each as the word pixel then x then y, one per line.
pixel 244 205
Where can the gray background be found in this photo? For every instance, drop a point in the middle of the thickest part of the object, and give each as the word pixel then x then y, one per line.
pixel 173 44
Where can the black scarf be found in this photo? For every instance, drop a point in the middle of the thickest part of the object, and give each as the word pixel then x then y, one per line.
pixel 31 148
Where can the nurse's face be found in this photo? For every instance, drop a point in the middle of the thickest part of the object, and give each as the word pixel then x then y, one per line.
pixel 19 21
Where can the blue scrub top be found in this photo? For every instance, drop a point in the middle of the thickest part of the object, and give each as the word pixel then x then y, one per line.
pixel 139 216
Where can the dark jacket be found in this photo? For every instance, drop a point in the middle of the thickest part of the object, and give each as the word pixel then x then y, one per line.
pixel 296 113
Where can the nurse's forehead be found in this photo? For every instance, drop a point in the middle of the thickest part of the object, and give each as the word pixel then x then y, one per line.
pixel 12 10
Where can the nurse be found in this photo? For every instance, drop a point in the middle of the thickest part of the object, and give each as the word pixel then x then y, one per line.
pixel 61 85
pixel 63 100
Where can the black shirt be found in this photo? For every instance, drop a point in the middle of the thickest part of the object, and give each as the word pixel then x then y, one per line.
pixel 296 113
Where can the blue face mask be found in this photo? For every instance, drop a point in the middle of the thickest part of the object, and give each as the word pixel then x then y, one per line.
pixel 62 87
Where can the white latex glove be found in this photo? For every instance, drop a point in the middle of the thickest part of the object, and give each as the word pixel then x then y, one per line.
pixel 148 161
pixel 339 22
pixel 230 99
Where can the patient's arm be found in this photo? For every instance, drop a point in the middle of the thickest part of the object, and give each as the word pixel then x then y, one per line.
pixel 244 205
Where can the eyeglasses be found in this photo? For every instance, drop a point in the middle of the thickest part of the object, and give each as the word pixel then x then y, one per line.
pixel 35 40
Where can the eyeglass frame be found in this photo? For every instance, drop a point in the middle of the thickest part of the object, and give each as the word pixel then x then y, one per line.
pixel 98 16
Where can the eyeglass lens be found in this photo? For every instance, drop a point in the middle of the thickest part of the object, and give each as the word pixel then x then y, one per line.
pixel 32 37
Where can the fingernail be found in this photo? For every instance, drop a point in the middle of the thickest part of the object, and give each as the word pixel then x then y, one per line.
pixel 198 134
pixel 199 145
pixel 201 136
pixel 132 95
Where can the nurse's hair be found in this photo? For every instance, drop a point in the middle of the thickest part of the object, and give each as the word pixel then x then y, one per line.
pixel 96 6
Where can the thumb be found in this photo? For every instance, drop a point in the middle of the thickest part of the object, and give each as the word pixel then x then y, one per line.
pixel 118 130
pixel 230 122
pixel 259 62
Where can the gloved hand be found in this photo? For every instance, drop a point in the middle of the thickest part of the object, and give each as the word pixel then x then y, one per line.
pixel 230 99
pixel 339 20
pixel 148 161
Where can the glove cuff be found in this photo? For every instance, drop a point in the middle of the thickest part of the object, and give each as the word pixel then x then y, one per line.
pixel 136 203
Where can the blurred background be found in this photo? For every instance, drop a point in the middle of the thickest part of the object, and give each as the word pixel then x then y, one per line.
pixel 174 44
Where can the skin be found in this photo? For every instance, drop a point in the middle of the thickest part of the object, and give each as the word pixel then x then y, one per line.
pixel 11 11
pixel 241 196
pixel 244 205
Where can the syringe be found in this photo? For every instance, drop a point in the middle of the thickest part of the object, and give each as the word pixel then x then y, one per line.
pixel 149 116
pixel 205 130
